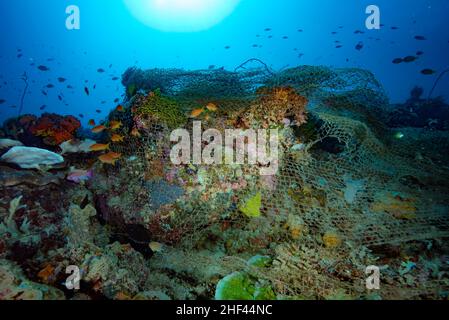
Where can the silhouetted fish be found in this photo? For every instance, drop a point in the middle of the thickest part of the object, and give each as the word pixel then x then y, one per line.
pixel 100 70
pixel 115 78
pixel 86 90
pixel 420 38
pixel 81 115
pixel 419 53
pixel 409 59
pixel 50 86
pixel 359 46
pixel 267 29
pixel 116 100
pixel 19 55
pixel 398 60
pixel 427 72
pixel 60 79
pixel 43 107
pixel 69 87
pixel 44 93
pixel 2 101
pixel 43 68
pixel 60 98
pixel 98 111
pixel 227 47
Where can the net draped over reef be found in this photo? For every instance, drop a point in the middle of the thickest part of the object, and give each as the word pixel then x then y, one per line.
pixel 345 185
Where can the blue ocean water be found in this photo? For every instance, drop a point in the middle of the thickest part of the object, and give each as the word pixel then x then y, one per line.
pixel 301 33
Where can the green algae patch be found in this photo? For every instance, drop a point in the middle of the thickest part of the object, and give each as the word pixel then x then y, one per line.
pixel 251 208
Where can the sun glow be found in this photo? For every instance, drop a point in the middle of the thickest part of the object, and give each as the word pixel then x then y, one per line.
pixel 181 15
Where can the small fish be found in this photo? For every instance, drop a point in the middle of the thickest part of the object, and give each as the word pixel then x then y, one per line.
pixel 212 107
pixel 2 101
pixel 419 53
pixel 61 80
pixel 398 60
pixel 285 37
pixel 43 107
pixel 420 38
pixel 115 78
pixel 117 138
pixel 114 125
pixel 116 100
pixel 227 47
pixel 359 32
pixel 155 246
pixel 359 46
pixel 19 56
pixel 98 111
pixel 49 86
pixel 69 87
pixel 80 115
pixel 91 122
pixel 196 113
pixel 43 68
pixel 86 90
pixel 300 30
pixel 110 158
pixel 44 93
pixel 99 147
pixel 60 98
pixel 338 46
pixel 135 132
pixel 267 29
pixel 394 28
pixel 100 70
pixel 409 59
pixel 428 72
pixel 80 176
pixel 120 108
pixel 399 135
pixel 98 129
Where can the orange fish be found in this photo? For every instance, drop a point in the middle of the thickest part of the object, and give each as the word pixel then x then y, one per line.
pixel 135 132
pixel 110 158
pixel 196 113
pixel 46 273
pixel 212 107
pixel 114 125
pixel 92 122
pixel 99 147
pixel 117 138
pixel 99 129
pixel 120 108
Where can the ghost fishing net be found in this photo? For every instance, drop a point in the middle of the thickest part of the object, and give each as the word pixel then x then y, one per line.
pixel 344 185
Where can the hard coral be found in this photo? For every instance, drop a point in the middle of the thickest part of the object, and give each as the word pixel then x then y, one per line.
pixel 55 129
pixel 276 104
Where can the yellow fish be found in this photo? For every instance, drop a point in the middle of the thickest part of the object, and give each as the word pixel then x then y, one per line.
pixel 117 138
pixel 135 132
pixel 212 107
pixel 156 246
pixel 98 129
pixel 114 125
pixel 99 147
pixel 196 113
pixel 110 158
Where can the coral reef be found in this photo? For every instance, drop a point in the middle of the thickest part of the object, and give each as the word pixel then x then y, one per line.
pixel 345 196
